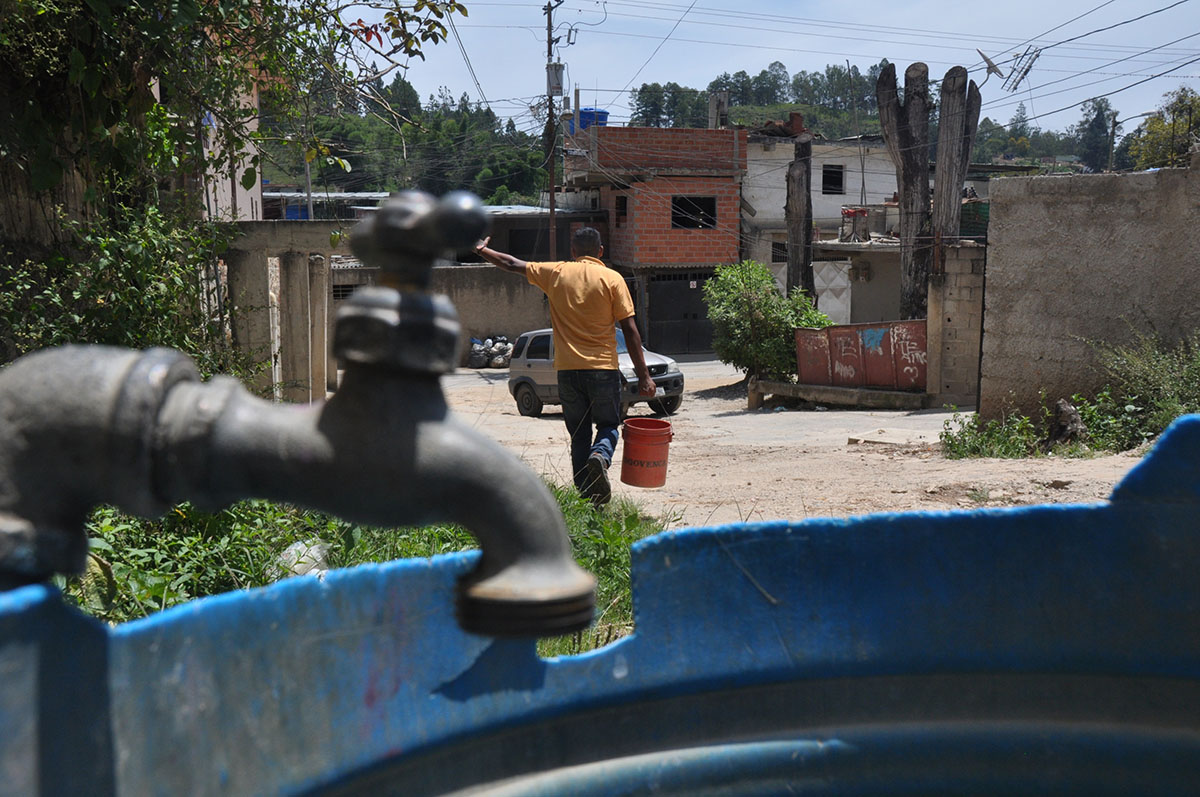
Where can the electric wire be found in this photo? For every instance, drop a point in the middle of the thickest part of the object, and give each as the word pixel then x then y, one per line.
pixel 660 44
pixel 466 58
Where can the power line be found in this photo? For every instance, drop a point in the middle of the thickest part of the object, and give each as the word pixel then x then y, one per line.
pixel 1085 85
pixel 660 44
pixel 1056 27
pixel 466 58
pixel 1117 91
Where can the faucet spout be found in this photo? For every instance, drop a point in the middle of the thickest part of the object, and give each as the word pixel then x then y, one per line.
pixel 84 425
pixel 385 451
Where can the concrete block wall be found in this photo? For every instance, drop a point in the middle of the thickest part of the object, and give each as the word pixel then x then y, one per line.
pixel 954 326
pixel 1078 259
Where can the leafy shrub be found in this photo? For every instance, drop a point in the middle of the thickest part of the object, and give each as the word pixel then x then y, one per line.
pixel 1013 436
pixel 139 567
pixel 753 323
pixel 1112 424
pixel 1150 384
pixel 134 279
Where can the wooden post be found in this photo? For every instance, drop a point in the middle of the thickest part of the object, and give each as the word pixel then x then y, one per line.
pixel 906 134
pixel 798 211
pixel 956 135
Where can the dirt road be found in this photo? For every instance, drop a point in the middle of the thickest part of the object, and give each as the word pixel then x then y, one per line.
pixel 729 464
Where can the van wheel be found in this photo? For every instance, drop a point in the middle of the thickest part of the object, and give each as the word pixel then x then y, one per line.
pixel 666 406
pixel 528 404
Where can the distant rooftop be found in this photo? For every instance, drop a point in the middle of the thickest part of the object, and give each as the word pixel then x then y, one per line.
pixel 379 196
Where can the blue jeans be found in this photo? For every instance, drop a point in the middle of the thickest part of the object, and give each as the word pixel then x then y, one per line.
pixel 590 398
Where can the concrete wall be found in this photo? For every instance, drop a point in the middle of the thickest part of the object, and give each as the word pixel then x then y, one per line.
pixel 282 296
pixel 490 301
pixel 875 286
pixel 280 301
pixel 1078 258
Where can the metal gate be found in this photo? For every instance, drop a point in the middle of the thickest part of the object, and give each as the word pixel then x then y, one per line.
pixel 678 316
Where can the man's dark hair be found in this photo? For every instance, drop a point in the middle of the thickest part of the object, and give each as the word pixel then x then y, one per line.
pixel 586 241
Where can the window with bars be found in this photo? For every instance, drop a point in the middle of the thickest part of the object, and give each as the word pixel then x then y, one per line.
pixel 342 292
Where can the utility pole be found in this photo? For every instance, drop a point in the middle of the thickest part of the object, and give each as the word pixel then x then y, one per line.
pixel 551 121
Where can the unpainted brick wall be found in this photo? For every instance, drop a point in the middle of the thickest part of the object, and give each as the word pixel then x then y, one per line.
pixel 623 149
pixel 646 236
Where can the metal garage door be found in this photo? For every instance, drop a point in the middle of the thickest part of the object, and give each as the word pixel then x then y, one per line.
pixel 678 317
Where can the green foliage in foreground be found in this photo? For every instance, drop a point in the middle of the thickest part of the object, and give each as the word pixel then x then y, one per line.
pixel 135 280
pixel 1150 384
pixel 1010 437
pixel 139 567
pixel 753 323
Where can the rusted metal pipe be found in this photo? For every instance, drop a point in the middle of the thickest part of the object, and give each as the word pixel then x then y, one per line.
pixel 84 425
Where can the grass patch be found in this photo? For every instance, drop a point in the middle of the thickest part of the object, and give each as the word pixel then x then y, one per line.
pixel 1013 436
pixel 139 567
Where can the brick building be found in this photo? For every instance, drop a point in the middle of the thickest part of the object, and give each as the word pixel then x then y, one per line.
pixel 673 199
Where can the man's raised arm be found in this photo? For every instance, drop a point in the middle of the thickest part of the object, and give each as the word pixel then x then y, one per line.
pixel 500 259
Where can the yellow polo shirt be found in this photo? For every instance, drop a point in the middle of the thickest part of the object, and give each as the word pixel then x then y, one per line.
pixel 586 299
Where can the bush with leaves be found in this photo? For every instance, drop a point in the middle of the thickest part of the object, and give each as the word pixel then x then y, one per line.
pixel 138 567
pixel 1012 436
pixel 1150 383
pixel 753 323
pixel 136 279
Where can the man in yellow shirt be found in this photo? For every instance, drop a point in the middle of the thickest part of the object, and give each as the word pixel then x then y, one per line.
pixel 586 299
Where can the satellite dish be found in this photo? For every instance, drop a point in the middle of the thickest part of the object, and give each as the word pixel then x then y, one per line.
pixel 992 69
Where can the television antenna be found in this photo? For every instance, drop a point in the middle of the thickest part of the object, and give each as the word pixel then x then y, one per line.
pixel 1021 67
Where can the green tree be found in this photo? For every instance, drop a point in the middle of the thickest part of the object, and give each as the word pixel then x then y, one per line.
pixel 770 86
pixel 116 112
pixel 649 106
pixel 1092 133
pixel 753 323
pixel 685 107
pixel 737 84
pixel 990 141
pixel 1018 126
pixel 1163 140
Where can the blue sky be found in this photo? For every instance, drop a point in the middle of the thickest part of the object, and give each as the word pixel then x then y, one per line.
pixel 620 44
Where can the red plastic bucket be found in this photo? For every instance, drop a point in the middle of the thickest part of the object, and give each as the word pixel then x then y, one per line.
pixel 644 454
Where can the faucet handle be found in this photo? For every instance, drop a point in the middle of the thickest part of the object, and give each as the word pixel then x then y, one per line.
pixel 412 229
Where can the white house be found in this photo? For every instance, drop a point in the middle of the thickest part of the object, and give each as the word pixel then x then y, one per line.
pixel 851 171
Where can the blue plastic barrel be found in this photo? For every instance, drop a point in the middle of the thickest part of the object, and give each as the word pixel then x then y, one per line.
pixel 589 117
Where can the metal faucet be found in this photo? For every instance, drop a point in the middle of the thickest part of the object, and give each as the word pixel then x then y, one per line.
pixel 84 425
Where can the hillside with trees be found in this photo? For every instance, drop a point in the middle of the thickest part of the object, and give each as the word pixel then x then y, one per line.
pixel 388 140
pixel 840 101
